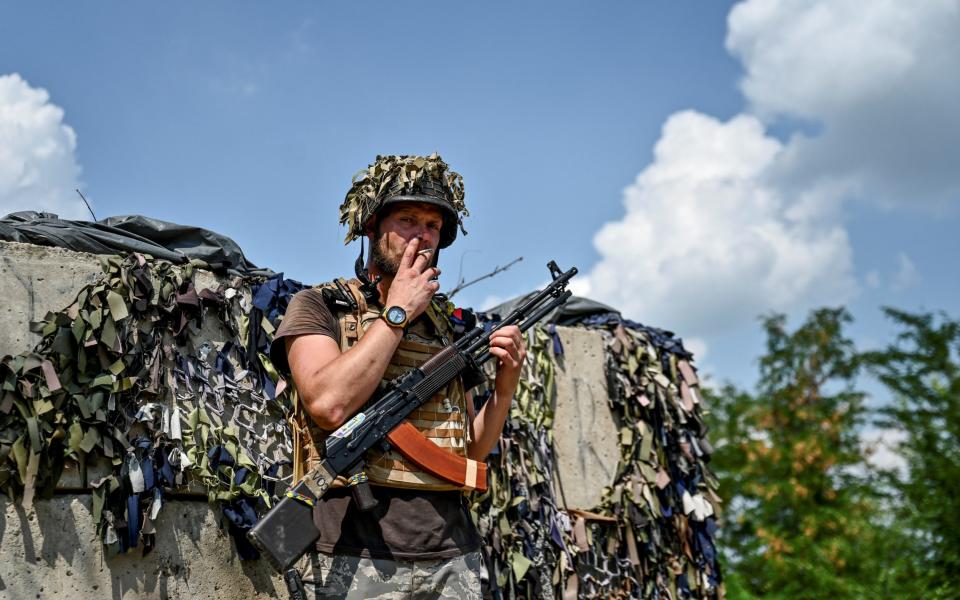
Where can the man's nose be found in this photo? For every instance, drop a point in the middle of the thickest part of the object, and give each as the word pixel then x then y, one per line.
pixel 424 233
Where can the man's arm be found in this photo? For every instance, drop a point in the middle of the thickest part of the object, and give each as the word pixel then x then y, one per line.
pixel 334 385
pixel 507 345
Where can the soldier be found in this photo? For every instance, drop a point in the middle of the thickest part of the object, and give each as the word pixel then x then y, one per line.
pixel 343 340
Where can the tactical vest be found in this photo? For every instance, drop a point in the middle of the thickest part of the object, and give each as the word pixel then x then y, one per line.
pixel 442 419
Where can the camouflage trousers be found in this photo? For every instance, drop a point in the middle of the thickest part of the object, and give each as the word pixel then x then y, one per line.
pixel 349 577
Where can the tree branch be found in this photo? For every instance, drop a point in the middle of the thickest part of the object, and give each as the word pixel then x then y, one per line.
pixel 462 285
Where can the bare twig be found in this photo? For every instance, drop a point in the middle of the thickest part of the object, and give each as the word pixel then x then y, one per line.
pixel 461 284
pixel 88 205
pixel 460 279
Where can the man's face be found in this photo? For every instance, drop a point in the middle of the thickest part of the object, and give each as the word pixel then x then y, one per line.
pixel 404 222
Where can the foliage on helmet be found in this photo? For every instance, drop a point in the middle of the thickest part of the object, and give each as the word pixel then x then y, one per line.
pixel 393 175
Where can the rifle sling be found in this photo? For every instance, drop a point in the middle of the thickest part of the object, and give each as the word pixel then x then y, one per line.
pixel 433 459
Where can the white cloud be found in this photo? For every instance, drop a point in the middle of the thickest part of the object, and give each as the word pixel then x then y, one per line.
pixel 38 166
pixel 708 243
pixel 907 275
pixel 812 59
pixel 877 78
pixel 492 301
pixel 728 222
pixel 872 279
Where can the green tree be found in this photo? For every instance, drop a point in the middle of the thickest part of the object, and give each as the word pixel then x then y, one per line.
pixel 799 521
pixel 922 370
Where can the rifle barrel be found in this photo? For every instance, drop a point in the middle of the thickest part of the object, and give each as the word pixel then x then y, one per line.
pixel 520 313
pixel 532 319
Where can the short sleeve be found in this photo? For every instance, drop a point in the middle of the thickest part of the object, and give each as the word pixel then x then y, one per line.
pixel 307 314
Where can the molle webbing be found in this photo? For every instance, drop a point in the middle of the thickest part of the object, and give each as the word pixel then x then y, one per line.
pixel 442 419
pixel 350 327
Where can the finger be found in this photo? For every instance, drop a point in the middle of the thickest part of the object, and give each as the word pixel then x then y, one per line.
pixel 431 274
pixel 507 344
pixel 422 259
pixel 409 253
pixel 505 338
pixel 511 331
pixel 500 353
pixel 505 358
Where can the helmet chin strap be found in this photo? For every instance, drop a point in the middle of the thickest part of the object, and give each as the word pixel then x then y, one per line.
pixel 435 260
pixel 368 288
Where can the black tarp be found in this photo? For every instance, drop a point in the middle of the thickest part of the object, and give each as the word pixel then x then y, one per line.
pixel 131 233
pixel 578 310
pixel 572 311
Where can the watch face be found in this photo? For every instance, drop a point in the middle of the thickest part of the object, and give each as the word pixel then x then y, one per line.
pixel 396 315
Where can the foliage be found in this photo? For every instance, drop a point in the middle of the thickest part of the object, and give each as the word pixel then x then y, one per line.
pixel 922 370
pixel 800 513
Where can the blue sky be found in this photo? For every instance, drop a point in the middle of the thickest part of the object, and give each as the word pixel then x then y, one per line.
pixel 804 154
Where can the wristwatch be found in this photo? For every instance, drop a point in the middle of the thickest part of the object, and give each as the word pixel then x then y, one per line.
pixel 395 316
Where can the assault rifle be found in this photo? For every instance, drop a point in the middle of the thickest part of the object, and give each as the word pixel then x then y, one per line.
pixel 285 533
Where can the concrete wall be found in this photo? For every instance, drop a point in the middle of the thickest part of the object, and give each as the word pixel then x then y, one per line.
pixel 53 551
pixel 34 280
pixel 586 437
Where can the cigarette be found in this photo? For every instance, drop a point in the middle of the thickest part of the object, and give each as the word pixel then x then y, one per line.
pixel 425 251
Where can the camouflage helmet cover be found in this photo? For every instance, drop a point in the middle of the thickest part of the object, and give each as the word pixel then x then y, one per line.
pixel 404 178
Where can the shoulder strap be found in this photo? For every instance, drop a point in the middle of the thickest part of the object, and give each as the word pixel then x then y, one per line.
pixel 348 305
pixel 351 322
pixel 438 318
pixel 353 285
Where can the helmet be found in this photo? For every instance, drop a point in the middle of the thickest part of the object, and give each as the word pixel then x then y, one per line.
pixel 404 178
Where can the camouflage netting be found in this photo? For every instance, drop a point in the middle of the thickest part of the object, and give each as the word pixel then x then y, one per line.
pixel 392 175
pixel 171 389
pixel 167 385
pixel 653 534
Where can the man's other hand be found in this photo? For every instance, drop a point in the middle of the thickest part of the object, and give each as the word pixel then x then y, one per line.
pixel 507 345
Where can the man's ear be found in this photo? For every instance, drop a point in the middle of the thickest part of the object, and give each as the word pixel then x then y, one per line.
pixel 370 230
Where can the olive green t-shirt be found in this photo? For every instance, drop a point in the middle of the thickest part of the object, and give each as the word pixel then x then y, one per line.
pixel 406 524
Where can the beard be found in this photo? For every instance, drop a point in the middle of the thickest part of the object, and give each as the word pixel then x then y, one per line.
pixel 380 255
